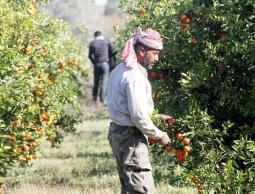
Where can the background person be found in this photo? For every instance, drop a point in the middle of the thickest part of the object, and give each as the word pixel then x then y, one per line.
pixel 101 51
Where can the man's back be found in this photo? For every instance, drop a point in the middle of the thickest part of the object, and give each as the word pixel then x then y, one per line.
pixel 100 51
pixel 129 91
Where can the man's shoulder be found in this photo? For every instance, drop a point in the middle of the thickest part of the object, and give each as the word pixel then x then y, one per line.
pixel 121 71
pixel 118 69
pixel 127 73
pixel 97 43
pixel 91 42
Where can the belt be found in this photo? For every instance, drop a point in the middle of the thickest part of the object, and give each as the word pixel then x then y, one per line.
pixel 102 63
pixel 122 126
pixel 131 128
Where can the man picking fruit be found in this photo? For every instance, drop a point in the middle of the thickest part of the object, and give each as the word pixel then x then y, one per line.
pixel 130 106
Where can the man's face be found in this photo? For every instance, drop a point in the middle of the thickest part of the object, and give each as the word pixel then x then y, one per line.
pixel 150 58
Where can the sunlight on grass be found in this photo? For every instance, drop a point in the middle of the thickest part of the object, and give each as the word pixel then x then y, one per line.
pixel 83 164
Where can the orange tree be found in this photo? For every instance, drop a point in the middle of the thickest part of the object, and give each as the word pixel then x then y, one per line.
pixel 39 63
pixel 206 80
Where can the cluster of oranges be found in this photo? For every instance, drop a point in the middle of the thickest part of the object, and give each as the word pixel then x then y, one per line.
pixel 182 153
pixel 185 21
pixel 44 116
pixel 40 131
pixel 24 151
pixel 40 91
pixel 167 148
pixel 24 144
pixel 52 77
pixel 153 141
pixel 195 180
pixel 72 62
pixel 154 74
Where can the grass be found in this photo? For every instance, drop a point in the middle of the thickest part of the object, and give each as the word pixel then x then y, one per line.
pixel 83 164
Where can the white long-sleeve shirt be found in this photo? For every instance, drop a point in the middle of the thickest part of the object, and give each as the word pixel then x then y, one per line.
pixel 129 100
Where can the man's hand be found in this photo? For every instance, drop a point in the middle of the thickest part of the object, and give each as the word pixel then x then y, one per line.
pixel 164 139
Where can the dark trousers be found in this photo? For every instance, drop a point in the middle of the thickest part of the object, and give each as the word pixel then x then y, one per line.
pixel 101 75
pixel 130 148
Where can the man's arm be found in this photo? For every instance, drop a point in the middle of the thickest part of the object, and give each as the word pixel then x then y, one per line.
pixel 112 56
pixel 91 53
pixel 137 106
pixel 112 51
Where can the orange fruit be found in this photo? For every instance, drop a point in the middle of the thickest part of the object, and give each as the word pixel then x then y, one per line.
pixel 170 121
pixel 153 74
pixel 162 75
pixel 33 44
pixel 51 77
pixel 13 123
pixel 38 129
pixel 187 21
pixel 186 141
pixel 60 65
pixel 27 156
pixel 179 136
pixel 185 154
pixel 45 117
pixel 152 141
pixel 27 49
pixel 168 148
pixel 33 156
pixel 42 133
pixel 194 40
pixel 186 148
pixel 199 186
pixel 50 138
pixel 41 92
pixel 184 17
pixel 219 66
pixel 142 11
pixel 179 155
pixel 12 138
pixel 222 34
pixel 17 149
pixel 72 62
pixel 34 144
pixel 182 26
pixel 26 148
pixel 194 178
pixel 27 136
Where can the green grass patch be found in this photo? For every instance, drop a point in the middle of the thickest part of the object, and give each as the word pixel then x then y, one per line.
pixel 83 164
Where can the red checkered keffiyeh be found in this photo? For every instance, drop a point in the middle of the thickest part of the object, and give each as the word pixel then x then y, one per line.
pixel 148 37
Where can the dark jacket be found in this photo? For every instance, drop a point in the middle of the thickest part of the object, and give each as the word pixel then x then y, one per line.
pixel 100 50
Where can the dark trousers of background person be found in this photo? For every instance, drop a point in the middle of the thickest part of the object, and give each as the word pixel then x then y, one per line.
pixel 101 75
